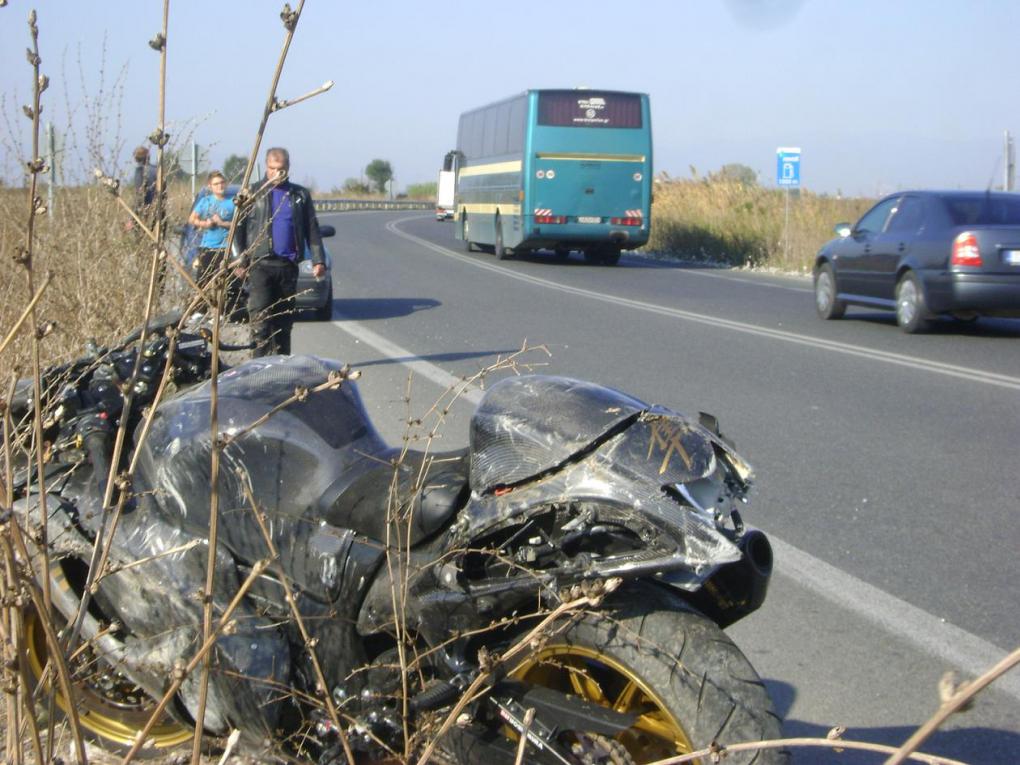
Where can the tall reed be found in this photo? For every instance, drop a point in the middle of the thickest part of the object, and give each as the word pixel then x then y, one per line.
pixel 745 225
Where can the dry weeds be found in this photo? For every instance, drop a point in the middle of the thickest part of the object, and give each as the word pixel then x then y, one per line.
pixel 100 273
pixel 745 225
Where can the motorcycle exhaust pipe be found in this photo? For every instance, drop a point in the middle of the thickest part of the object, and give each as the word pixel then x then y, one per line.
pixel 739 588
pixel 758 562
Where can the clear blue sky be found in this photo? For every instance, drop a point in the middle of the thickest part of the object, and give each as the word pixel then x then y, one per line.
pixel 879 95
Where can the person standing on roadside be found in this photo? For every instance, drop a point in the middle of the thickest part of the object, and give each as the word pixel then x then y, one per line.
pixel 144 188
pixel 276 230
pixel 212 215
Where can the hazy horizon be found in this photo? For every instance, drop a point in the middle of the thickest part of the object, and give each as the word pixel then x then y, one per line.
pixel 879 97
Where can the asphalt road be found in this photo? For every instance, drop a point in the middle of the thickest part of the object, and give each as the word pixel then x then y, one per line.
pixel 886 463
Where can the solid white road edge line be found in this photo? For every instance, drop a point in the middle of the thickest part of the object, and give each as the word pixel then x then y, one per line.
pixel 969 653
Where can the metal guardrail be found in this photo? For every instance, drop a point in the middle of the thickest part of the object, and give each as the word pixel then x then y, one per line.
pixel 343 205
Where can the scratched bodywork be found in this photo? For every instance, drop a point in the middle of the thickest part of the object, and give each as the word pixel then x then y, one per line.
pixel 564 483
pixel 541 440
pixel 293 461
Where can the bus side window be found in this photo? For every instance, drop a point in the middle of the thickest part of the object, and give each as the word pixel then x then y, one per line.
pixel 503 137
pixel 518 116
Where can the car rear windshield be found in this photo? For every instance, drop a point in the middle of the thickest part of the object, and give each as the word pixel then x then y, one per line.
pixel 587 108
pixel 989 210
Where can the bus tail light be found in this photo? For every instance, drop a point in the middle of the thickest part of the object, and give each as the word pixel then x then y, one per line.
pixel 965 250
pixel 550 218
pixel 626 221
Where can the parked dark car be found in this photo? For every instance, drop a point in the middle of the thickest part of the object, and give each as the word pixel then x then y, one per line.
pixel 924 254
pixel 315 295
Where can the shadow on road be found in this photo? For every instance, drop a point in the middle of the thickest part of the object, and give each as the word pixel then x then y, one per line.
pixel 973 745
pixel 984 326
pixel 369 309
pixel 550 258
pixel 436 358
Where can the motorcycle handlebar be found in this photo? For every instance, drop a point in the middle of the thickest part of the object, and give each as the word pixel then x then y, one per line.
pixel 95 435
pixel 226 347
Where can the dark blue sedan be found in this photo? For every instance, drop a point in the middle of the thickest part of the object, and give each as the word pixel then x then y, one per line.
pixel 924 254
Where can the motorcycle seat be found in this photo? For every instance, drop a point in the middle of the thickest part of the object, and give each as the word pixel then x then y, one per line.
pixel 432 496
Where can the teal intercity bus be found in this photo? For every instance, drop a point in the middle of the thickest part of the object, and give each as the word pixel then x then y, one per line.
pixel 561 170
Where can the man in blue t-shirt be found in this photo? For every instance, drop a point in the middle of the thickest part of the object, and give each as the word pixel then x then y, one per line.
pixel 212 215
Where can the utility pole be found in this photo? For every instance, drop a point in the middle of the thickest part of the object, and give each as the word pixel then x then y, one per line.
pixel 1009 165
pixel 194 166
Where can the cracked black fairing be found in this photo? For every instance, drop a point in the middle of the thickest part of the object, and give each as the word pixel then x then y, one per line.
pixel 541 441
pixel 528 425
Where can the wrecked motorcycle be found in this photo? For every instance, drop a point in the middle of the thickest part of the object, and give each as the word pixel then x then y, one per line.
pixel 381 584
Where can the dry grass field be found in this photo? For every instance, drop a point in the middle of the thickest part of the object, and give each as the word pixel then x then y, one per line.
pixel 743 225
pixel 99 269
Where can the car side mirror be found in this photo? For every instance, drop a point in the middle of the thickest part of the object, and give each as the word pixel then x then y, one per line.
pixel 327 231
pixel 843 229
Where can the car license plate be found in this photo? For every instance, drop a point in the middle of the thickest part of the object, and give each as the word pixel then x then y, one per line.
pixel 593 219
pixel 1011 257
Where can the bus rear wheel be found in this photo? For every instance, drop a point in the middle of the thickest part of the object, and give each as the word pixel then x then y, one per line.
pixel 501 252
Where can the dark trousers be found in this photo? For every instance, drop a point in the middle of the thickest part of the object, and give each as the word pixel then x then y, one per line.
pixel 207 263
pixel 272 283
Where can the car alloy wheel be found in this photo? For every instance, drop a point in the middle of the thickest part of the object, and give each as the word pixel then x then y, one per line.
pixel 910 308
pixel 826 303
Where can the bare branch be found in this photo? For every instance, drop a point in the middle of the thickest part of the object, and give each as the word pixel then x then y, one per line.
pixel 955 701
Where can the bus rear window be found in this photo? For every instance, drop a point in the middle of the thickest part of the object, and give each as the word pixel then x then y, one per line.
pixel 585 108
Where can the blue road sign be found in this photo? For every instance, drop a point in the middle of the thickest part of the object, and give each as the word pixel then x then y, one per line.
pixel 788 166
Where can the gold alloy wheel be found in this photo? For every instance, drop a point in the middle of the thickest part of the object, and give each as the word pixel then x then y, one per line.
pixel 110 706
pixel 597 678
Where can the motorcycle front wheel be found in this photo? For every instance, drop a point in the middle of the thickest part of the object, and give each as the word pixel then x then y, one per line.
pixel 649 654
pixel 111 709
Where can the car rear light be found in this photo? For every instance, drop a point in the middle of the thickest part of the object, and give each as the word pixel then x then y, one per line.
pixel 628 221
pixel 965 250
pixel 550 219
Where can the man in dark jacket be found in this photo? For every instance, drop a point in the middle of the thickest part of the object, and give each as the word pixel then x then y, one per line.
pixel 143 188
pixel 274 234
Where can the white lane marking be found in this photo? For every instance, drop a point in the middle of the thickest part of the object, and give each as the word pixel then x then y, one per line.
pixel 912 362
pixel 415 363
pixel 968 652
pixel 947 642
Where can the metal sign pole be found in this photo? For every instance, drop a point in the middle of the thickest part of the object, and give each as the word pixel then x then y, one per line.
pixel 787 176
pixel 786 226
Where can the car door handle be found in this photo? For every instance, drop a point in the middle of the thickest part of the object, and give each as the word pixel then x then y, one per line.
pixel 867 248
pixel 902 247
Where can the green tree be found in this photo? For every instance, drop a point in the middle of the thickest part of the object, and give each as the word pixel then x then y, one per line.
pixel 734 172
pixel 380 173
pixel 356 187
pixel 173 166
pixel 233 168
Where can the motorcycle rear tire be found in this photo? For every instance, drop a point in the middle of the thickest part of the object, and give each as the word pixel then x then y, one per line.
pixel 111 709
pixel 649 650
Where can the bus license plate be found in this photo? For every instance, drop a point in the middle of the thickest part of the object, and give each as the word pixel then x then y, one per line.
pixel 1012 257
pixel 588 219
